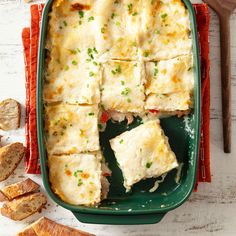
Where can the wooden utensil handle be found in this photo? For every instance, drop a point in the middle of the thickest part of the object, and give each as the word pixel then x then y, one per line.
pixel 226 79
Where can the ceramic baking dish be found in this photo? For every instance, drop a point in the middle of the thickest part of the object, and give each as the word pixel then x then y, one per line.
pixel 140 206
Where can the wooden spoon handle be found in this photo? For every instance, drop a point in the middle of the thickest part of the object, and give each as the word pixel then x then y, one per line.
pixel 226 79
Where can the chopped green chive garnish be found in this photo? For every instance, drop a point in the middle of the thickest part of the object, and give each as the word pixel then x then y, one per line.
pixel 64 23
pixel 76 172
pixel 103 29
pixel 148 164
pixel 91 114
pixel 81 14
pixel 91 74
pixel 66 67
pixel 117 70
pixel 129 100
pixel 155 72
pixel 157 31
pixel 130 6
pixel 74 62
pixel 100 126
pixel 122 82
pixel 113 15
pixel 146 54
pixel 126 91
pixel 80 182
pixel 91 18
pixel 95 63
pixel 121 141
pixel 163 16
pixel 134 13
pixel 95 50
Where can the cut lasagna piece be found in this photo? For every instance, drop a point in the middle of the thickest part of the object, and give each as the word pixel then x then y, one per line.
pixel 76 178
pixel 165 29
pixel 118 23
pixel 143 152
pixel 170 76
pixel 73 83
pixel 169 102
pixel 71 30
pixel 122 86
pixel 71 128
pixel 169 84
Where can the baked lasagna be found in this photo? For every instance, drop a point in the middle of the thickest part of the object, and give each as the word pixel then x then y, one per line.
pixel 121 58
pixel 143 152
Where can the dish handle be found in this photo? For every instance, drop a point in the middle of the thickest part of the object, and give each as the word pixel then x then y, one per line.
pixel 119 219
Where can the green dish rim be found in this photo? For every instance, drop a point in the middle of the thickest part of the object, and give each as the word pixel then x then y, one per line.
pixel 42 153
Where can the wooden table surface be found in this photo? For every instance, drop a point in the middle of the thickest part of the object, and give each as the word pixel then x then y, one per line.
pixel 210 211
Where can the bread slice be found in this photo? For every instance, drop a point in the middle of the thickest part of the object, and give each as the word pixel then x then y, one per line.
pixel 2 197
pixel 45 226
pixel 21 208
pixel 18 189
pixel 10 112
pixel 10 157
pixel 28 231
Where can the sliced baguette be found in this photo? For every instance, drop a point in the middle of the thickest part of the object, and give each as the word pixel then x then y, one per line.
pixel 10 157
pixel 28 231
pixel 18 189
pixel 10 112
pixel 21 208
pixel 2 197
pixel 45 226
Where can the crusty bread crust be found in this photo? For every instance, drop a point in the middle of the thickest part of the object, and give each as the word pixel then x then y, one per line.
pixel 10 157
pixel 21 208
pixel 48 227
pixel 10 113
pixel 45 226
pixel 2 197
pixel 18 189
pixel 29 231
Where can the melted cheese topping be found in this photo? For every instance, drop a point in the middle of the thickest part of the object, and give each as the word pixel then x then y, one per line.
pixel 71 29
pixel 76 179
pixel 117 28
pixel 71 129
pixel 169 102
pixel 73 71
pixel 122 88
pixel 143 152
pixel 170 76
pixel 165 29
pixel 73 83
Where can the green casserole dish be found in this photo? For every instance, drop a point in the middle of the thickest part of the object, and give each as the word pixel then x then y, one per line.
pixel 140 206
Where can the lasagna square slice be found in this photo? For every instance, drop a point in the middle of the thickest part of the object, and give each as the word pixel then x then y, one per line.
pixel 170 76
pixel 122 86
pixel 117 28
pixel 74 82
pixel 71 29
pixel 76 178
pixel 165 30
pixel 143 152
pixel 171 102
pixel 71 128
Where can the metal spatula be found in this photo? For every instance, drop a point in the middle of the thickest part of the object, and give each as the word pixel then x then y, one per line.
pixel 224 8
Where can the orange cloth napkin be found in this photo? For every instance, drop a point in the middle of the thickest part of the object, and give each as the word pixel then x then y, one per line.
pixel 30 38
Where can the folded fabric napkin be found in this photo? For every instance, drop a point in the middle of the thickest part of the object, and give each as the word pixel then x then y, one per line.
pixel 30 37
